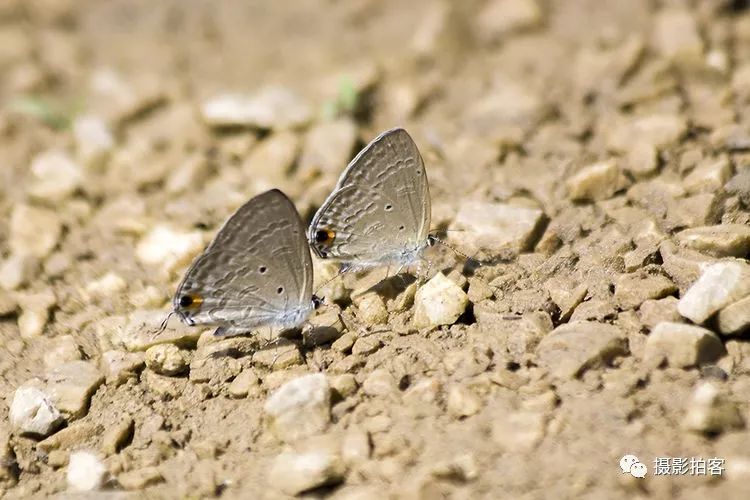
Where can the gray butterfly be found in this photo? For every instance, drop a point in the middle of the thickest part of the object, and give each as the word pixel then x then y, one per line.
pixel 379 212
pixel 256 272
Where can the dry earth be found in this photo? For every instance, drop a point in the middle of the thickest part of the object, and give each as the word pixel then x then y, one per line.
pixel 594 153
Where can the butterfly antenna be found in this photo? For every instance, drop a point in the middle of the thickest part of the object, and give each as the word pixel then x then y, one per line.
pixel 434 239
pixel 163 325
pixel 339 273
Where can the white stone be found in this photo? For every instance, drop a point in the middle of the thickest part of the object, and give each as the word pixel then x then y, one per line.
pixel 462 402
pixel 597 181
pixel 32 412
pixel 497 225
pixel 94 140
pixel 518 430
pixel 167 359
pixel 682 345
pixel 269 108
pixel 34 231
pixel 86 472
pixel 107 286
pixel 300 407
pixel 710 411
pixel 168 248
pixel 18 270
pixel 439 302
pixel 31 323
pixel 55 176
pixel 719 285
pixel 294 472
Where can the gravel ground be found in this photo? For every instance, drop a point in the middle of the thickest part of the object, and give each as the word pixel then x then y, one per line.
pixel 593 154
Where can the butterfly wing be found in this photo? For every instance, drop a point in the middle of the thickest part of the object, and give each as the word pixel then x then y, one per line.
pixel 380 206
pixel 257 271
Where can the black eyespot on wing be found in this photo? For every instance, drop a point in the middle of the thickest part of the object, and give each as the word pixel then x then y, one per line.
pixel 388 207
pixel 401 228
pixel 186 301
pixel 262 269
pixel 280 290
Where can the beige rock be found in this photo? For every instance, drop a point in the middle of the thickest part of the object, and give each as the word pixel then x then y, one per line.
pixel 710 411
pixel 278 355
pixel 518 430
pixel 735 318
pixel 719 285
pixel 682 345
pixel 498 225
pixel 328 146
pixel 631 290
pixel 461 468
pixel 118 366
pixel 271 107
pixel 676 36
pixel 168 248
pixel 167 359
pixel 726 240
pixel 684 266
pixel 379 383
pixel 344 343
pixel 439 302
pixel 344 385
pixel 365 346
pixel 371 309
pixel 191 172
pixel 294 472
pixel 139 332
pixel 462 402
pixel 566 296
pixel 94 140
pixel 245 384
pixel 140 478
pixel 653 312
pixel 34 231
pixel 355 446
pixel 63 349
pixel 118 435
pixel 18 270
pixel 710 176
pixel 108 286
pixel 55 177
pixel 658 130
pixel 269 163
pixel 162 386
pixel 299 408
pixel 499 18
pixel 70 386
pixel 572 348
pixel 597 181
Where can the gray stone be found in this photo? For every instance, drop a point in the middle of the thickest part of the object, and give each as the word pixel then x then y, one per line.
pixel 719 285
pixel 571 349
pixel 299 408
pixel 682 345
pixel 735 318
pixel 33 412
pixel 726 240
pixel 711 412
pixel 439 302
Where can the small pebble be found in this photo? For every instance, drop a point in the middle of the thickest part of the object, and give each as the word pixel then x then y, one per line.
pixel 34 231
pixel 86 472
pixel 594 182
pixel 94 140
pixel 328 146
pixel 244 384
pixel 521 430
pixel 572 348
pixel 63 349
pixel 167 359
pixel 631 290
pixel 118 436
pixel 439 302
pixel 18 270
pixel 379 383
pixel 711 412
pixel 371 309
pixel 709 177
pixel 682 345
pixel 726 240
pixel 55 177
pixel 344 343
pixel 365 346
pixel 32 412
pixel 294 472
pixel 676 35
pixel 278 355
pixel 299 408
pixel 462 402
pixel 168 248
pixel 499 18
pixel 719 285
pixel 108 285
pixel 735 318
pixel 119 366
pixel 71 385
pixel 140 478
pixel 653 312
pixel 344 385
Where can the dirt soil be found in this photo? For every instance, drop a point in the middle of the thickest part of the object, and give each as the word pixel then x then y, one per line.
pixel 594 154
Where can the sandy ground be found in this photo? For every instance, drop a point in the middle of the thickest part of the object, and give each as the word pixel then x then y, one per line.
pixel 593 153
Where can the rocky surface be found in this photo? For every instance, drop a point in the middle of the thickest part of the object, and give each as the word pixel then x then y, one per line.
pixel 598 171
